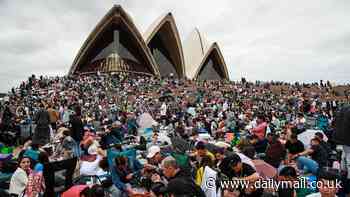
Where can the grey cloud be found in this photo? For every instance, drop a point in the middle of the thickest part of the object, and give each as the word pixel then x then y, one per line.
pixel 260 39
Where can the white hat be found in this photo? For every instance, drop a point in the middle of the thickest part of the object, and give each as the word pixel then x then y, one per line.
pixel 153 150
pixel 222 144
pixel 92 150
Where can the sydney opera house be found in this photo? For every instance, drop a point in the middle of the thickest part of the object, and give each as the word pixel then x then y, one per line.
pixel 116 45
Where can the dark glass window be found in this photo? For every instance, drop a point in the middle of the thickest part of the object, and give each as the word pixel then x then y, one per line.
pixel 116 50
pixel 162 56
pixel 211 69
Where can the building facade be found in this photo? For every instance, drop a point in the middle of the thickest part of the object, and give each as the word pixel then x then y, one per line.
pixel 116 45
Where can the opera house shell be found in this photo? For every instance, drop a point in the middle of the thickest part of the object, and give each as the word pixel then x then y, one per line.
pixel 116 45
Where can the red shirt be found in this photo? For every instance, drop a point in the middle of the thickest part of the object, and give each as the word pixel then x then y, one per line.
pixel 260 130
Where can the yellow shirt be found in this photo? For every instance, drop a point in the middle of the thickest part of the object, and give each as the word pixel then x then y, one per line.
pixel 199 176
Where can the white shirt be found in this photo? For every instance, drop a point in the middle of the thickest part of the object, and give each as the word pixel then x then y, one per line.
pixel 90 168
pixel 18 182
pixel 208 184
pixel 225 106
pixel 163 109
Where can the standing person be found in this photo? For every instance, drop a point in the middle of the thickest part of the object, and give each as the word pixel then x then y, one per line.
pixel 205 162
pixel 42 130
pixel 132 124
pixel 19 178
pixel 54 116
pixel 77 126
pixel 163 111
pixel 340 136
pixel 6 118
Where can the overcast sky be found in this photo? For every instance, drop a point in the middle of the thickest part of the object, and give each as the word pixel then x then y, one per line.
pixel 290 40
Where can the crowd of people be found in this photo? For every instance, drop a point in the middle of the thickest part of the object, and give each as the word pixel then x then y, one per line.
pixel 133 135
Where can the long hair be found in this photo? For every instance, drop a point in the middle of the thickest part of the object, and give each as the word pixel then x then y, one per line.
pixel 19 160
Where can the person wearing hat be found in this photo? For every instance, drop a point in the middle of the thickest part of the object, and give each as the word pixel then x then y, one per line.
pixel 154 155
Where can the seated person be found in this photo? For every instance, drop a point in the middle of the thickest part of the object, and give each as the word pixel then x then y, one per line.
pixel 32 152
pixel 299 124
pixel 155 140
pixel 155 155
pixel 233 167
pixel 318 158
pixel 289 174
pixel 275 151
pixel 68 147
pixel 84 191
pixel 105 177
pixel 124 170
pixel 294 146
pixel 202 151
pixel 19 179
pixel 323 143
pixel 260 129
pixel 108 138
pixel 259 145
pixel 329 179
pixel 179 183
pixel 117 131
pixel 90 166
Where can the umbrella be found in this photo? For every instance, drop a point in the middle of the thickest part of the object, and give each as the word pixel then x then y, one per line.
pixel 264 169
pixel 145 121
pixel 246 160
pixel 307 135
pixel 74 191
